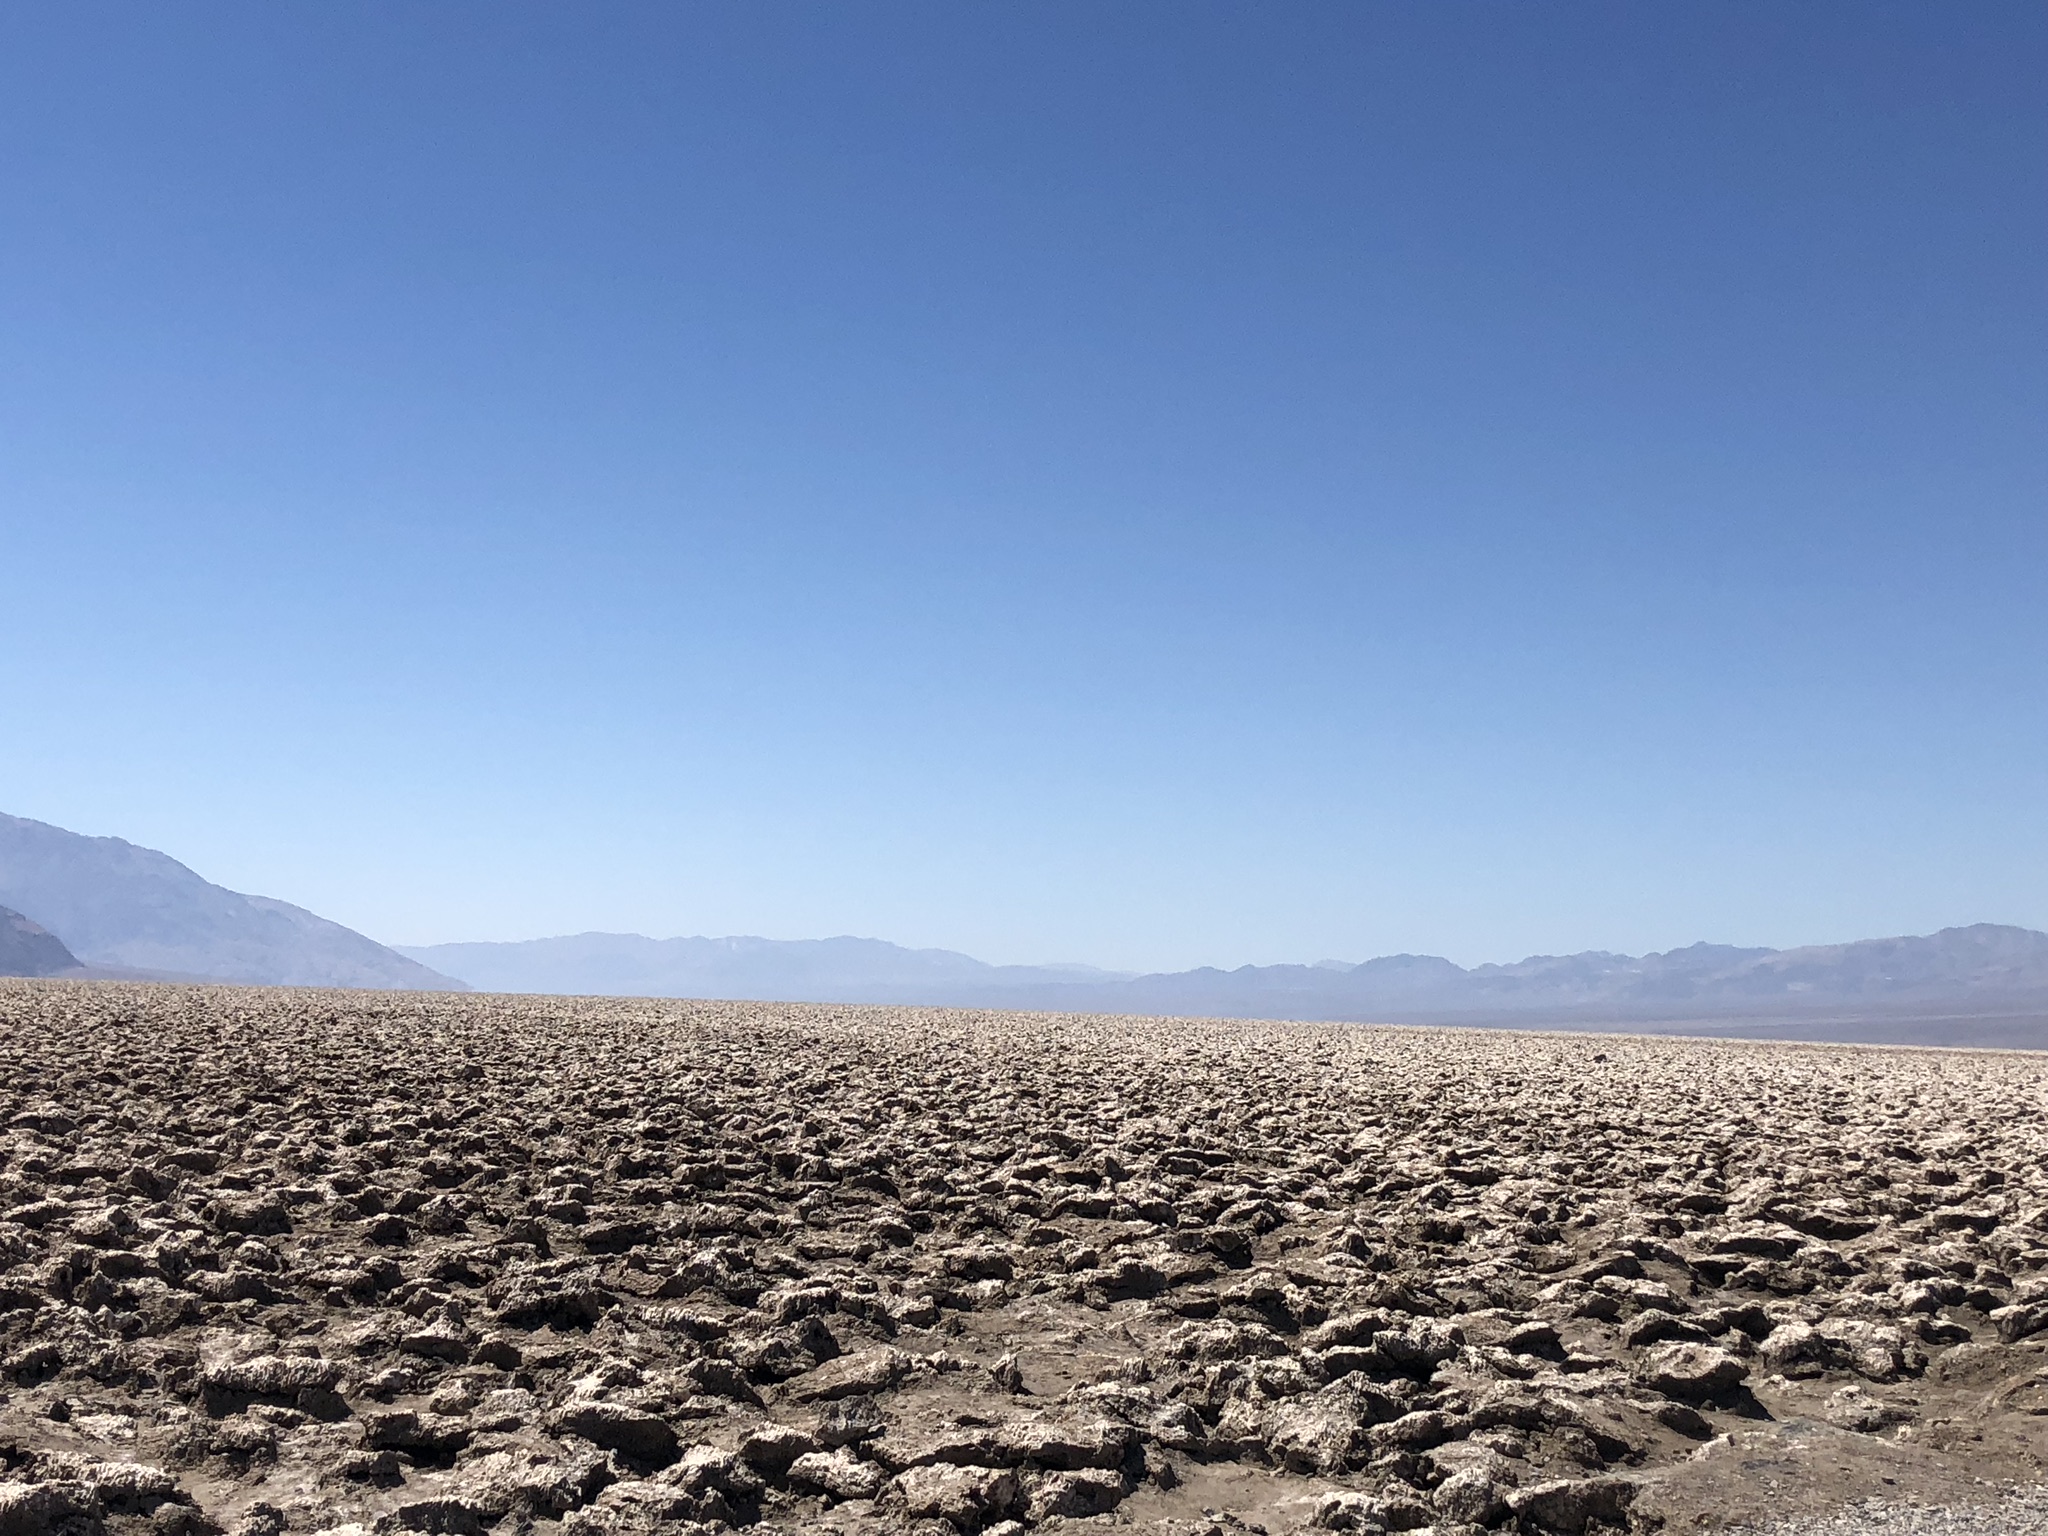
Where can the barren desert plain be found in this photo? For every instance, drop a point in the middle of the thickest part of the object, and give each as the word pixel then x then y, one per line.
pixel 315 1261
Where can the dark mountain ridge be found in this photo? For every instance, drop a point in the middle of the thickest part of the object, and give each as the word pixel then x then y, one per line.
pixel 27 948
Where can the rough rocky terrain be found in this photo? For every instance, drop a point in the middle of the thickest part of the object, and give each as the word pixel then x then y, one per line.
pixel 308 1261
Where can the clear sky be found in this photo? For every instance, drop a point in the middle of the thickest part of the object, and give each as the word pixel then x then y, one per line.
pixel 1150 484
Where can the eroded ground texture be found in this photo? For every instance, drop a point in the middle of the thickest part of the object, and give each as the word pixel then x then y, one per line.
pixel 297 1261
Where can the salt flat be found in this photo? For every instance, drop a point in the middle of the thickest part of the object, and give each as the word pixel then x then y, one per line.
pixel 299 1260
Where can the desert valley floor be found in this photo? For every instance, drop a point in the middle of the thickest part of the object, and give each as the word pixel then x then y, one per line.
pixel 297 1261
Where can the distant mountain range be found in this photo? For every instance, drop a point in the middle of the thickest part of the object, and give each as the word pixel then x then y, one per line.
pixel 121 909
pixel 842 970
pixel 1975 968
pixel 85 906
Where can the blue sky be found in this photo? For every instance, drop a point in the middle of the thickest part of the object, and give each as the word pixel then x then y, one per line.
pixel 1151 484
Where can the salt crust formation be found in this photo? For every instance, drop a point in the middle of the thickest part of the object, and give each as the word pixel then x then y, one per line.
pixel 362 1262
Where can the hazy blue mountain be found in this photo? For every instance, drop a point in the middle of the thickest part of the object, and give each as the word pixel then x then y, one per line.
pixel 1974 967
pixel 115 905
pixel 1982 961
pixel 1967 967
pixel 837 970
pixel 29 949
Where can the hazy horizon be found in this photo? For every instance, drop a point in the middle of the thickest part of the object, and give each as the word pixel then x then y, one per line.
pixel 421 950
pixel 1155 486
pixel 406 946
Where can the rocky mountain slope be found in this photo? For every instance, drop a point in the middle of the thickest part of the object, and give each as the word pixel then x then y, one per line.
pixel 29 949
pixel 115 905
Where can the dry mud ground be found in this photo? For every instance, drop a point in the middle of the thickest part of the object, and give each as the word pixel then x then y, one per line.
pixel 297 1260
